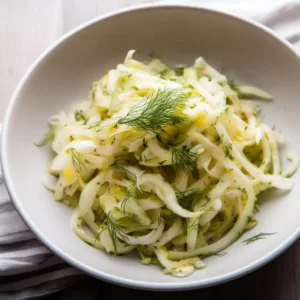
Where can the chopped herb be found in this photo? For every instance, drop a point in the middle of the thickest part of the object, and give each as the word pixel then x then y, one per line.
pixel 259 236
pixel 227 150
pixel 79 116
pixel 251 219
pixel 256 206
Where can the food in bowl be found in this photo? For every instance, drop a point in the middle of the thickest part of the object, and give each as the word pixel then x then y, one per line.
pixel 167 162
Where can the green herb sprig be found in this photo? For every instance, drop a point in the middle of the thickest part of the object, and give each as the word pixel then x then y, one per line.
pixel 79 116
pixel 161 108
pixel 257 237
pixel 184 159
pixel 131 195
pixel 116 231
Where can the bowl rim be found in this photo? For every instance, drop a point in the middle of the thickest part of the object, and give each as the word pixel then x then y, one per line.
pixel 143 285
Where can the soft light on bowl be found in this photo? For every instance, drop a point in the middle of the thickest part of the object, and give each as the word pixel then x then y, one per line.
pixel 178 34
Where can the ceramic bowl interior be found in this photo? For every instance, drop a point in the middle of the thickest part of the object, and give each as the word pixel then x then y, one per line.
pixel 177 34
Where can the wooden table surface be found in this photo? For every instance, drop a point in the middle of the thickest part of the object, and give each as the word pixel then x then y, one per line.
pixel 27 27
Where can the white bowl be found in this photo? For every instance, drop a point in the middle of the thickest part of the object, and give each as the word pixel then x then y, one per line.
pixel 243 49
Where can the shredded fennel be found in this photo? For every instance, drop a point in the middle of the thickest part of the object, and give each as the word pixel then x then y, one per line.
pixel 166 162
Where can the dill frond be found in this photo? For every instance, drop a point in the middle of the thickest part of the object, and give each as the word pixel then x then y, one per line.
pixel 131 195
pixel 116 231
pixel 79 116
pixel 47 138
pixel 76 161
pixel 161 108
pixel 256 237
pixel 184 159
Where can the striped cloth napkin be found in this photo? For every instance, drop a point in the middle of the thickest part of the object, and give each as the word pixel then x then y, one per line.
pixel 28 270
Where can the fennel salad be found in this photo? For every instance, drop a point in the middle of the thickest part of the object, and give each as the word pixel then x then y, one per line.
pixel 165 162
